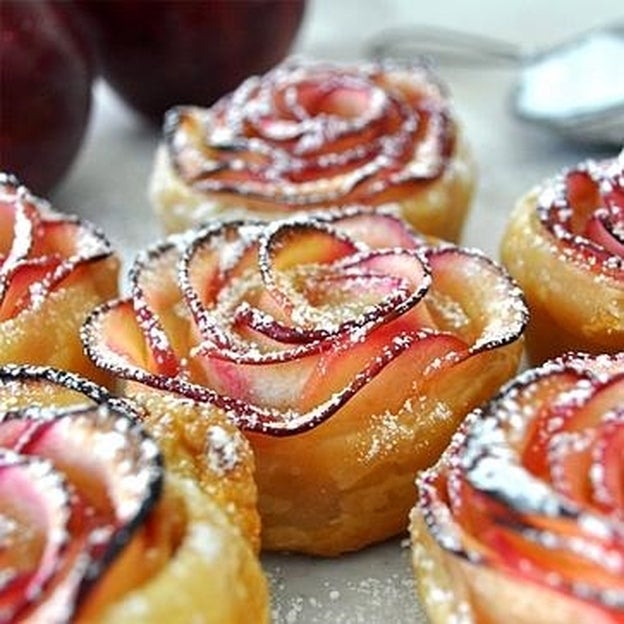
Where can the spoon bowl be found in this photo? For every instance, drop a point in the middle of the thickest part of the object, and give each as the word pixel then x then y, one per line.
pixel 575 88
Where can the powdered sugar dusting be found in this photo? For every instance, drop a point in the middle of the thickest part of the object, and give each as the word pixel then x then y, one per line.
pixel 222 450
pixel 246 331
pixel 30 270
pixel 270 140
pixel 347 590
pixel 533 455
pixel 583 209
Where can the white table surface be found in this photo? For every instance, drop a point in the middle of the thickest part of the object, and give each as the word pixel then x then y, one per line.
pixel 107 185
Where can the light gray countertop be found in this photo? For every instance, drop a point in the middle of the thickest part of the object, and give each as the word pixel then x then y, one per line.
pixel 108 186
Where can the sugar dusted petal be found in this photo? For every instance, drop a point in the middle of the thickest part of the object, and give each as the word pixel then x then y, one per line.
pixel 524 500
pixel 305 137
pixel 564 244
pixel 316 295
pixel 68 514
pixel 53 269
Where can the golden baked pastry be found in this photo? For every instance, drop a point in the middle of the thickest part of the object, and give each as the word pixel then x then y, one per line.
pixel 309 136
pixel 564 244
pixel 54 269
pixel 522 519
pixel 96 529
pixel 347 347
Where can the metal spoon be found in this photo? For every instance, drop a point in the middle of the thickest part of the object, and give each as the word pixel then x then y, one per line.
pixel 575 88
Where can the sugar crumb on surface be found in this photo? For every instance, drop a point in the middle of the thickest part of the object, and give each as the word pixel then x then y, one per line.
pixel 373 586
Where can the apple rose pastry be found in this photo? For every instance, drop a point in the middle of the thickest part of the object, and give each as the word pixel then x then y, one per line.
pixel 54 269
pixel 308 136
pixel 522 519
pixel 94 529
pixel 564 244
pixel 345 346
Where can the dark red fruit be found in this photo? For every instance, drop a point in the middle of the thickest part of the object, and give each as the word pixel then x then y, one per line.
pixel 160 54
pixel 45 83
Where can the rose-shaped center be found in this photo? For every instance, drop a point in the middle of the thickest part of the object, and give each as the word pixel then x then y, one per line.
pixel 534 482
pixel 347 102
pixel 283 323
pixel 277 301
pixel 585 210
pixel 39 250
pixel 311 134
pixel 322 110
pixel 66 514
pixel 309 284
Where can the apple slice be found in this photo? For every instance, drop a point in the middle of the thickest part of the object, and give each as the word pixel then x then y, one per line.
pixel 130 536
pixel 585 217
pixel 154 294
pixel 608 450
pixel 378 229
pixel 503 519
pixel 42 250
pixel 605 227
pixel 69 513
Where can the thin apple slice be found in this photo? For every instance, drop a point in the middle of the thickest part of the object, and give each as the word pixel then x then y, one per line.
pixel 25 285
pixel 154 294
pixel 315 135
pixel 220 253
pixel 281 300
pixel 36 507
pixel 605 228
pixel 550 524
pixel 127 341
pixel 378 229
pixel 20 214
pixel 608 484
pixel 68 514
pixel 584 215
pixel 43 251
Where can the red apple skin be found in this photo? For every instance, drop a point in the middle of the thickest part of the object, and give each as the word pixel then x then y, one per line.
pixel 160 54
pixel 46 72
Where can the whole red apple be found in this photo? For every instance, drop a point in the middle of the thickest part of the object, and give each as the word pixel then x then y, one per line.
pixel 45 80
pixel 159 54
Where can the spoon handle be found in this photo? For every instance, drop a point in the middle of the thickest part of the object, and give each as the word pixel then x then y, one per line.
pixel 444 46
